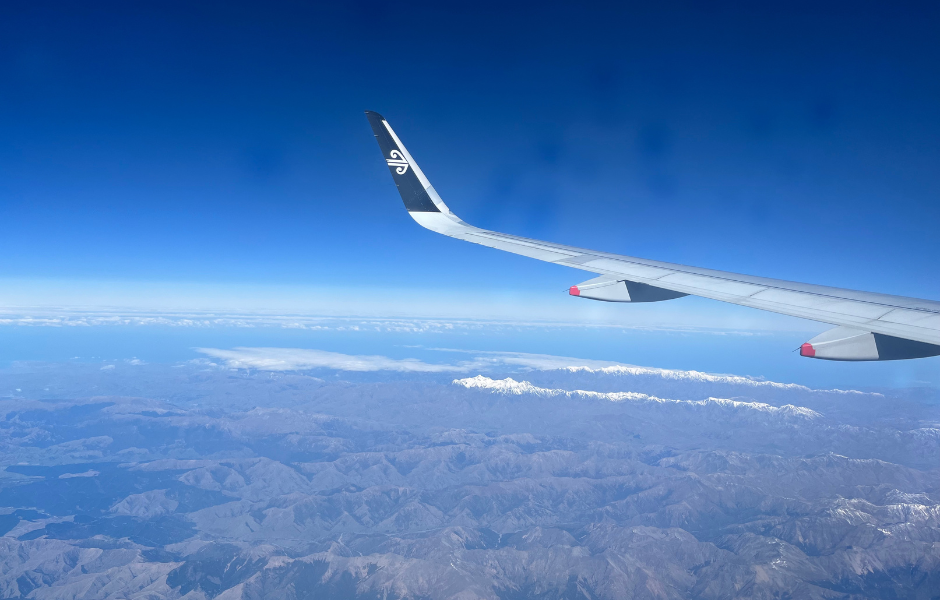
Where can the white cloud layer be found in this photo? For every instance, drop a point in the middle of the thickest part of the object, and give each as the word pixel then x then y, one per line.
pixel 50 317
pixel 300 359
pixel 68 302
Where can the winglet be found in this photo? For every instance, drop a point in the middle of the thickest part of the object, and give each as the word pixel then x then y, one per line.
pixel 415 189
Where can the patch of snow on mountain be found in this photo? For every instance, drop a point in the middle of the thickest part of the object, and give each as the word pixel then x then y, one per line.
pixel 518 388
pixel 702 377
pixel 503 386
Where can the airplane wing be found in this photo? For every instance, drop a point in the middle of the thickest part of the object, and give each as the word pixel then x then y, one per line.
pixel 869 326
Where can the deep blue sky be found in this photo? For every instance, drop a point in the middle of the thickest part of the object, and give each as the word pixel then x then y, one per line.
pixel 225 143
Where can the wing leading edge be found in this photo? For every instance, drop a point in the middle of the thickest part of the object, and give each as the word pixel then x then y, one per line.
pixel 869 326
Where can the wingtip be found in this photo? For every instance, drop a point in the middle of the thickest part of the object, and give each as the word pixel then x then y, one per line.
pixel 375 114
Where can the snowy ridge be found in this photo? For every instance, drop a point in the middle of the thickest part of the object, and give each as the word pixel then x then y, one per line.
pixel 510 386
pixel 703 377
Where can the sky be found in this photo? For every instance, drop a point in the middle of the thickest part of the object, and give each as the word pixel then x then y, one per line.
pixel 184 157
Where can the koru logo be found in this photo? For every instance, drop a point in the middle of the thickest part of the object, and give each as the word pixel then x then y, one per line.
pixel 398 161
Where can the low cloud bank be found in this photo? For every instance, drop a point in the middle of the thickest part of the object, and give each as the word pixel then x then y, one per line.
pixel 298 359
pixel 301 359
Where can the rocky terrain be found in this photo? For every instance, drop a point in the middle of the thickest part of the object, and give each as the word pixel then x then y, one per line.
pixel 200 481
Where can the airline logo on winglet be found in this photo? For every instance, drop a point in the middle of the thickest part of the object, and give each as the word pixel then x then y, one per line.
pixel 398 161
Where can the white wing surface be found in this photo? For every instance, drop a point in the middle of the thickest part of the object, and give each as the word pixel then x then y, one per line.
pixel 870 326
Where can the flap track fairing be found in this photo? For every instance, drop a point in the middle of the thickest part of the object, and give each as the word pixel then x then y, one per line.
pixel 609 289
pixel 846 343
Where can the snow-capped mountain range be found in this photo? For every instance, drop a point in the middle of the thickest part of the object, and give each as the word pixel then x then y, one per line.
pixel 202 481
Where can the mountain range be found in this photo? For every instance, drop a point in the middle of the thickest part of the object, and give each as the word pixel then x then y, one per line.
pixel 201 481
